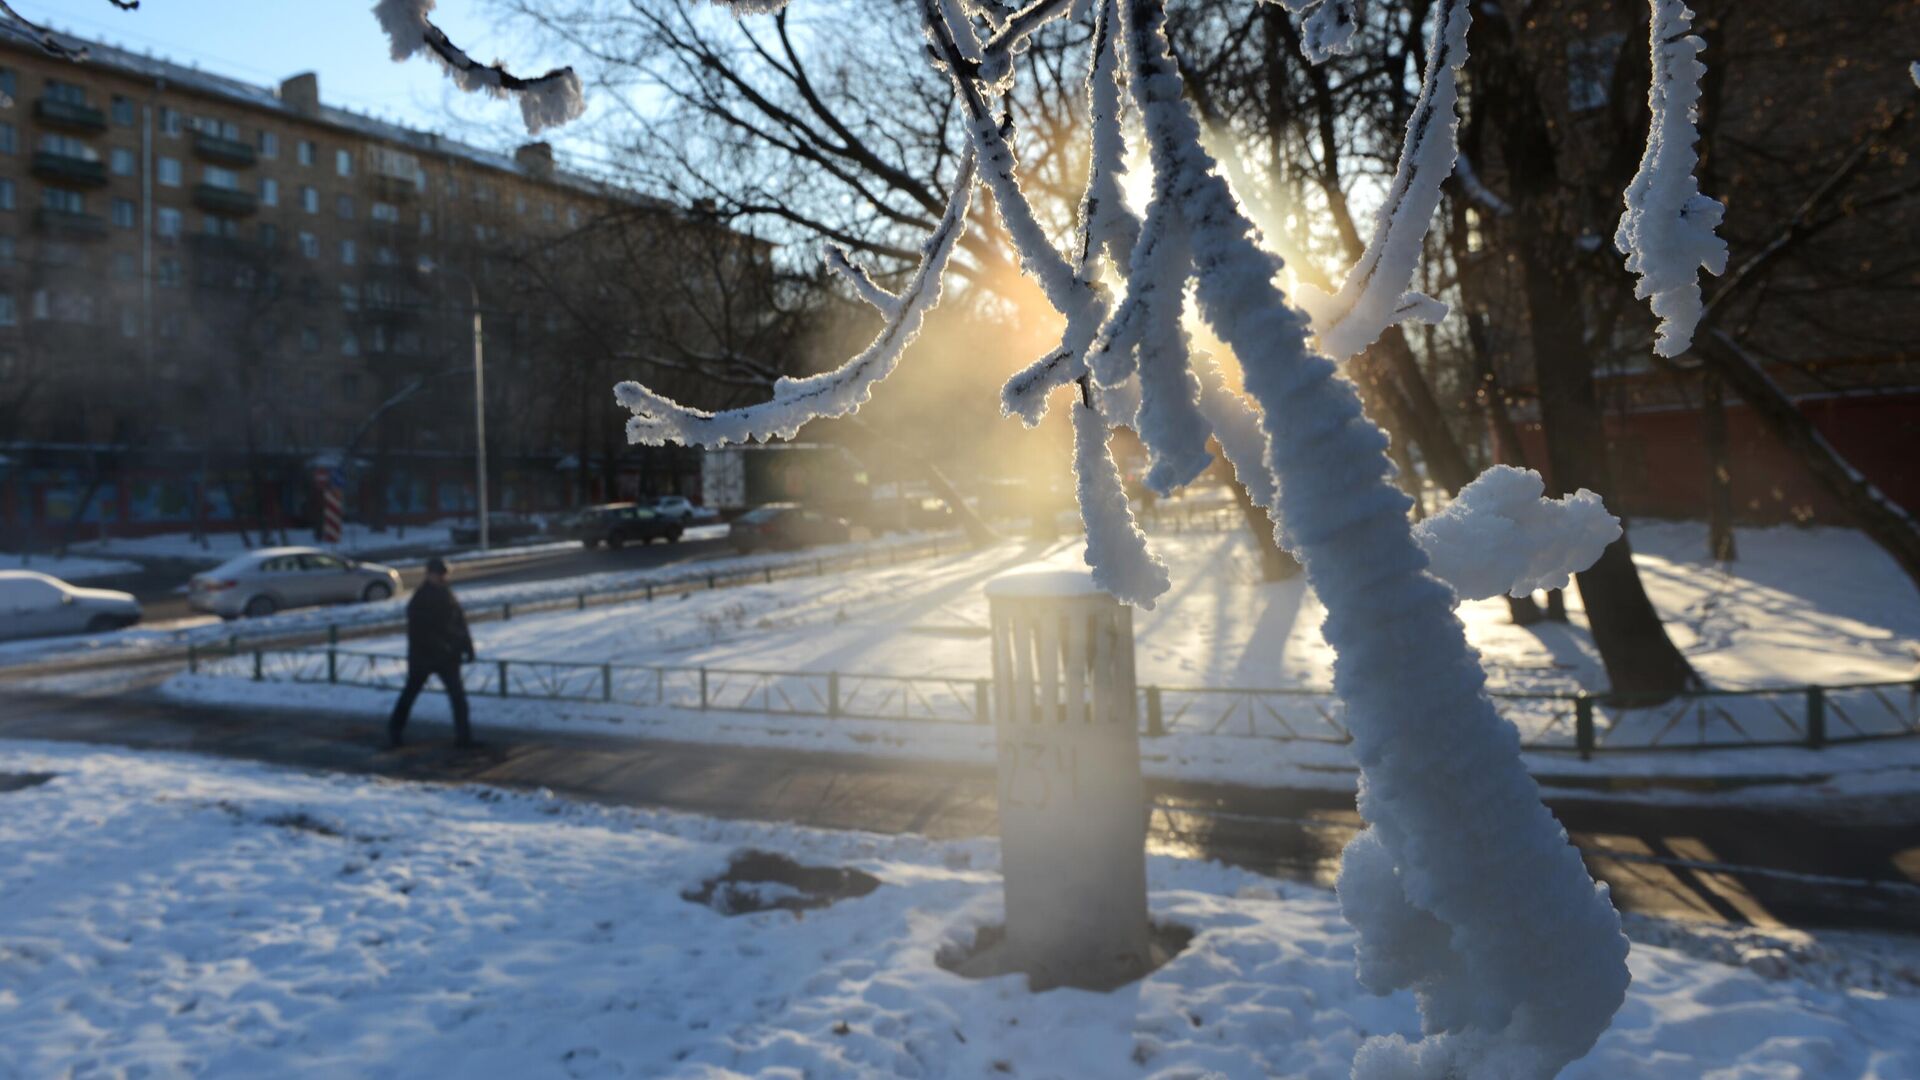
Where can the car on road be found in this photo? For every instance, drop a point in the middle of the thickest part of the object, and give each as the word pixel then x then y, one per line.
pixel 784 526
pixel 502 528
pixel 33 604
pixel 262 582
pixel 619 524
pixel 681 509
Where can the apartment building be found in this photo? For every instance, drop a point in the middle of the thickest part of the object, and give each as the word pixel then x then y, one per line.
pixel 207 286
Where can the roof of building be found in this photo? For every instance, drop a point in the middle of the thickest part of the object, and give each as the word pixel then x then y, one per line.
pixel 268 99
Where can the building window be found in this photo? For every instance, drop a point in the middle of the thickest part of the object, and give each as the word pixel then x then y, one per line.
pixel 349 342
pixel 343 162
pixel 122 161
pixel 124 268
pixel 167 222
pixel 310 200
pixel 426 223
pixel 122 111
pixel 453 188
pixel 6 194
pixel 309 339
pixel 269 144
pixel 384 212
pixel 169 121
pixel 129 322
pixel 269 234
pixel 377 340
pixel 6 250
pixel 123 213
pixel 573 217
pixel 546 212
pixel 309 245
pixel 343 206
pixel 346 252
pixel 520 205
pixel 7 83
pixel 305 151
pixel 219 226
pixel 66 92
pixel 386 256
pixel 63 201
pixel 7 138
pixel 9 314
pixel 168 271
pixel 168 171
pixel 170 325
pixel 349 297
pixel 67 146
pixel 269 191
pixel 224 179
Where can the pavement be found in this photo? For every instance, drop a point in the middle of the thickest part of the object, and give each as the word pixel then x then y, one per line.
pixel 1822 862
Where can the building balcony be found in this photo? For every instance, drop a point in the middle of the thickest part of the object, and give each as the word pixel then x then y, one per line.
pixel 394 188
pixel 67 170
pixel 70 117
pixel 70 225
pixel 224 151
pixel 226 201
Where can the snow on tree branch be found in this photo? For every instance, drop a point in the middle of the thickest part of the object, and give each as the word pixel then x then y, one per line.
pixel 1667 231
pixel 547 101
pixel 1506 990
pixel 1328 28
pixel 840 262
pixel 1117 553
pixel 657 419
pixel 1502 535
pixel 1374 295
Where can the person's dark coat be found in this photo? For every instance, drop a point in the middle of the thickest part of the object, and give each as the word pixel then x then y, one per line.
pixel 436 628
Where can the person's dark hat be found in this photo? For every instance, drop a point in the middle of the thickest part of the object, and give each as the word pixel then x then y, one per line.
pixel 436 565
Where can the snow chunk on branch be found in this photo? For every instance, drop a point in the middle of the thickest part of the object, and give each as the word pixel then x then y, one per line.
pixel 1667 231
pixel 1116 549
pixel 1501 535
pixel 1375 294
pixel 547 101
pixel 658 419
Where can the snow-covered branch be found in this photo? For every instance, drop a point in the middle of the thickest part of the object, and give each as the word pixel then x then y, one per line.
pixel 841 263
pixel 1328 28
pixel 1667 231
pixel 1502 535
pixel 1375 293
pixel 546 101
pixel 658 419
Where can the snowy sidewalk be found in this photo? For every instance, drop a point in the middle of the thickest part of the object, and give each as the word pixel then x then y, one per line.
pixel 184 915
pixel 1826 860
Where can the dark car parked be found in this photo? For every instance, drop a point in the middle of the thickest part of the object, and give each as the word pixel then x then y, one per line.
pixel 781 526
pixel 502 528
pixel 618 524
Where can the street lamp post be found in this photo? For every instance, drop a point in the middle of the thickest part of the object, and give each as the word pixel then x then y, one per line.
pixel 479 409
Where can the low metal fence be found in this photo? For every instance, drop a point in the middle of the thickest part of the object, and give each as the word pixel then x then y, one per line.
pixel 1803 716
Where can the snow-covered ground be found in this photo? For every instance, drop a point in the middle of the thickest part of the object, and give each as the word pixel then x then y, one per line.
pixel 1801 605
pixel 70 568
pixel 174 915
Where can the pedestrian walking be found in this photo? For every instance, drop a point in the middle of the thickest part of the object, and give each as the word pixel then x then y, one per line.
pixel 437 644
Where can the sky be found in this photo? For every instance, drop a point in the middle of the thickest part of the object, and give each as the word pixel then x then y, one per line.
pixel 264 41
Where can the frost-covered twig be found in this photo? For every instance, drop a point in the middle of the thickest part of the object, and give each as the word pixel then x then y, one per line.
pixel 1117 553
pixel 1328 28
pixel 841 262
pixel 1501 534
pixel 658 419
pixel 1477 191
pixel 1667 231
pixel 1375 291
pixel 1506 990
pixel 546 101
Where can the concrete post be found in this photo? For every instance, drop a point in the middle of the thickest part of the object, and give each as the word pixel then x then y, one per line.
pixel 1073 820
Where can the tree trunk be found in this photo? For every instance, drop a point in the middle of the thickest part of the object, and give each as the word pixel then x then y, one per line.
pixel 1507 448
pixel 1879 517
pixel 1713 432
pixel 1276 562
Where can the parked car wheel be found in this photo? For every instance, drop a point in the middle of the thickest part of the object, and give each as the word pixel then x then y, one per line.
pixel 100 624
pixel 590 543
pixel 674 537
pixel 376 592
pixel 615 543
pixel 261 606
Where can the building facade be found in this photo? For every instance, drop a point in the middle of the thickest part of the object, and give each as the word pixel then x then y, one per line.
pixel 207 288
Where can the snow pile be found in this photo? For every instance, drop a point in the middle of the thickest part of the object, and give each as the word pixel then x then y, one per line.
pixel 175 914
pixel 1667 231
pixel 547 101
pixel 1501 535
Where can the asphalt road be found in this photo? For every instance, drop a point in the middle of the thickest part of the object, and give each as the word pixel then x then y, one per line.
pixel 1818 862
pixel 162 601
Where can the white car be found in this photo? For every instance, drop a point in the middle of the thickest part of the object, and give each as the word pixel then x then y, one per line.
pixel 262 582
pixel 681 509
pixel 33 604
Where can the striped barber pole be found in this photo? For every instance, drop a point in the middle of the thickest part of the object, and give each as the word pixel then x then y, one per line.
pixel 332 503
